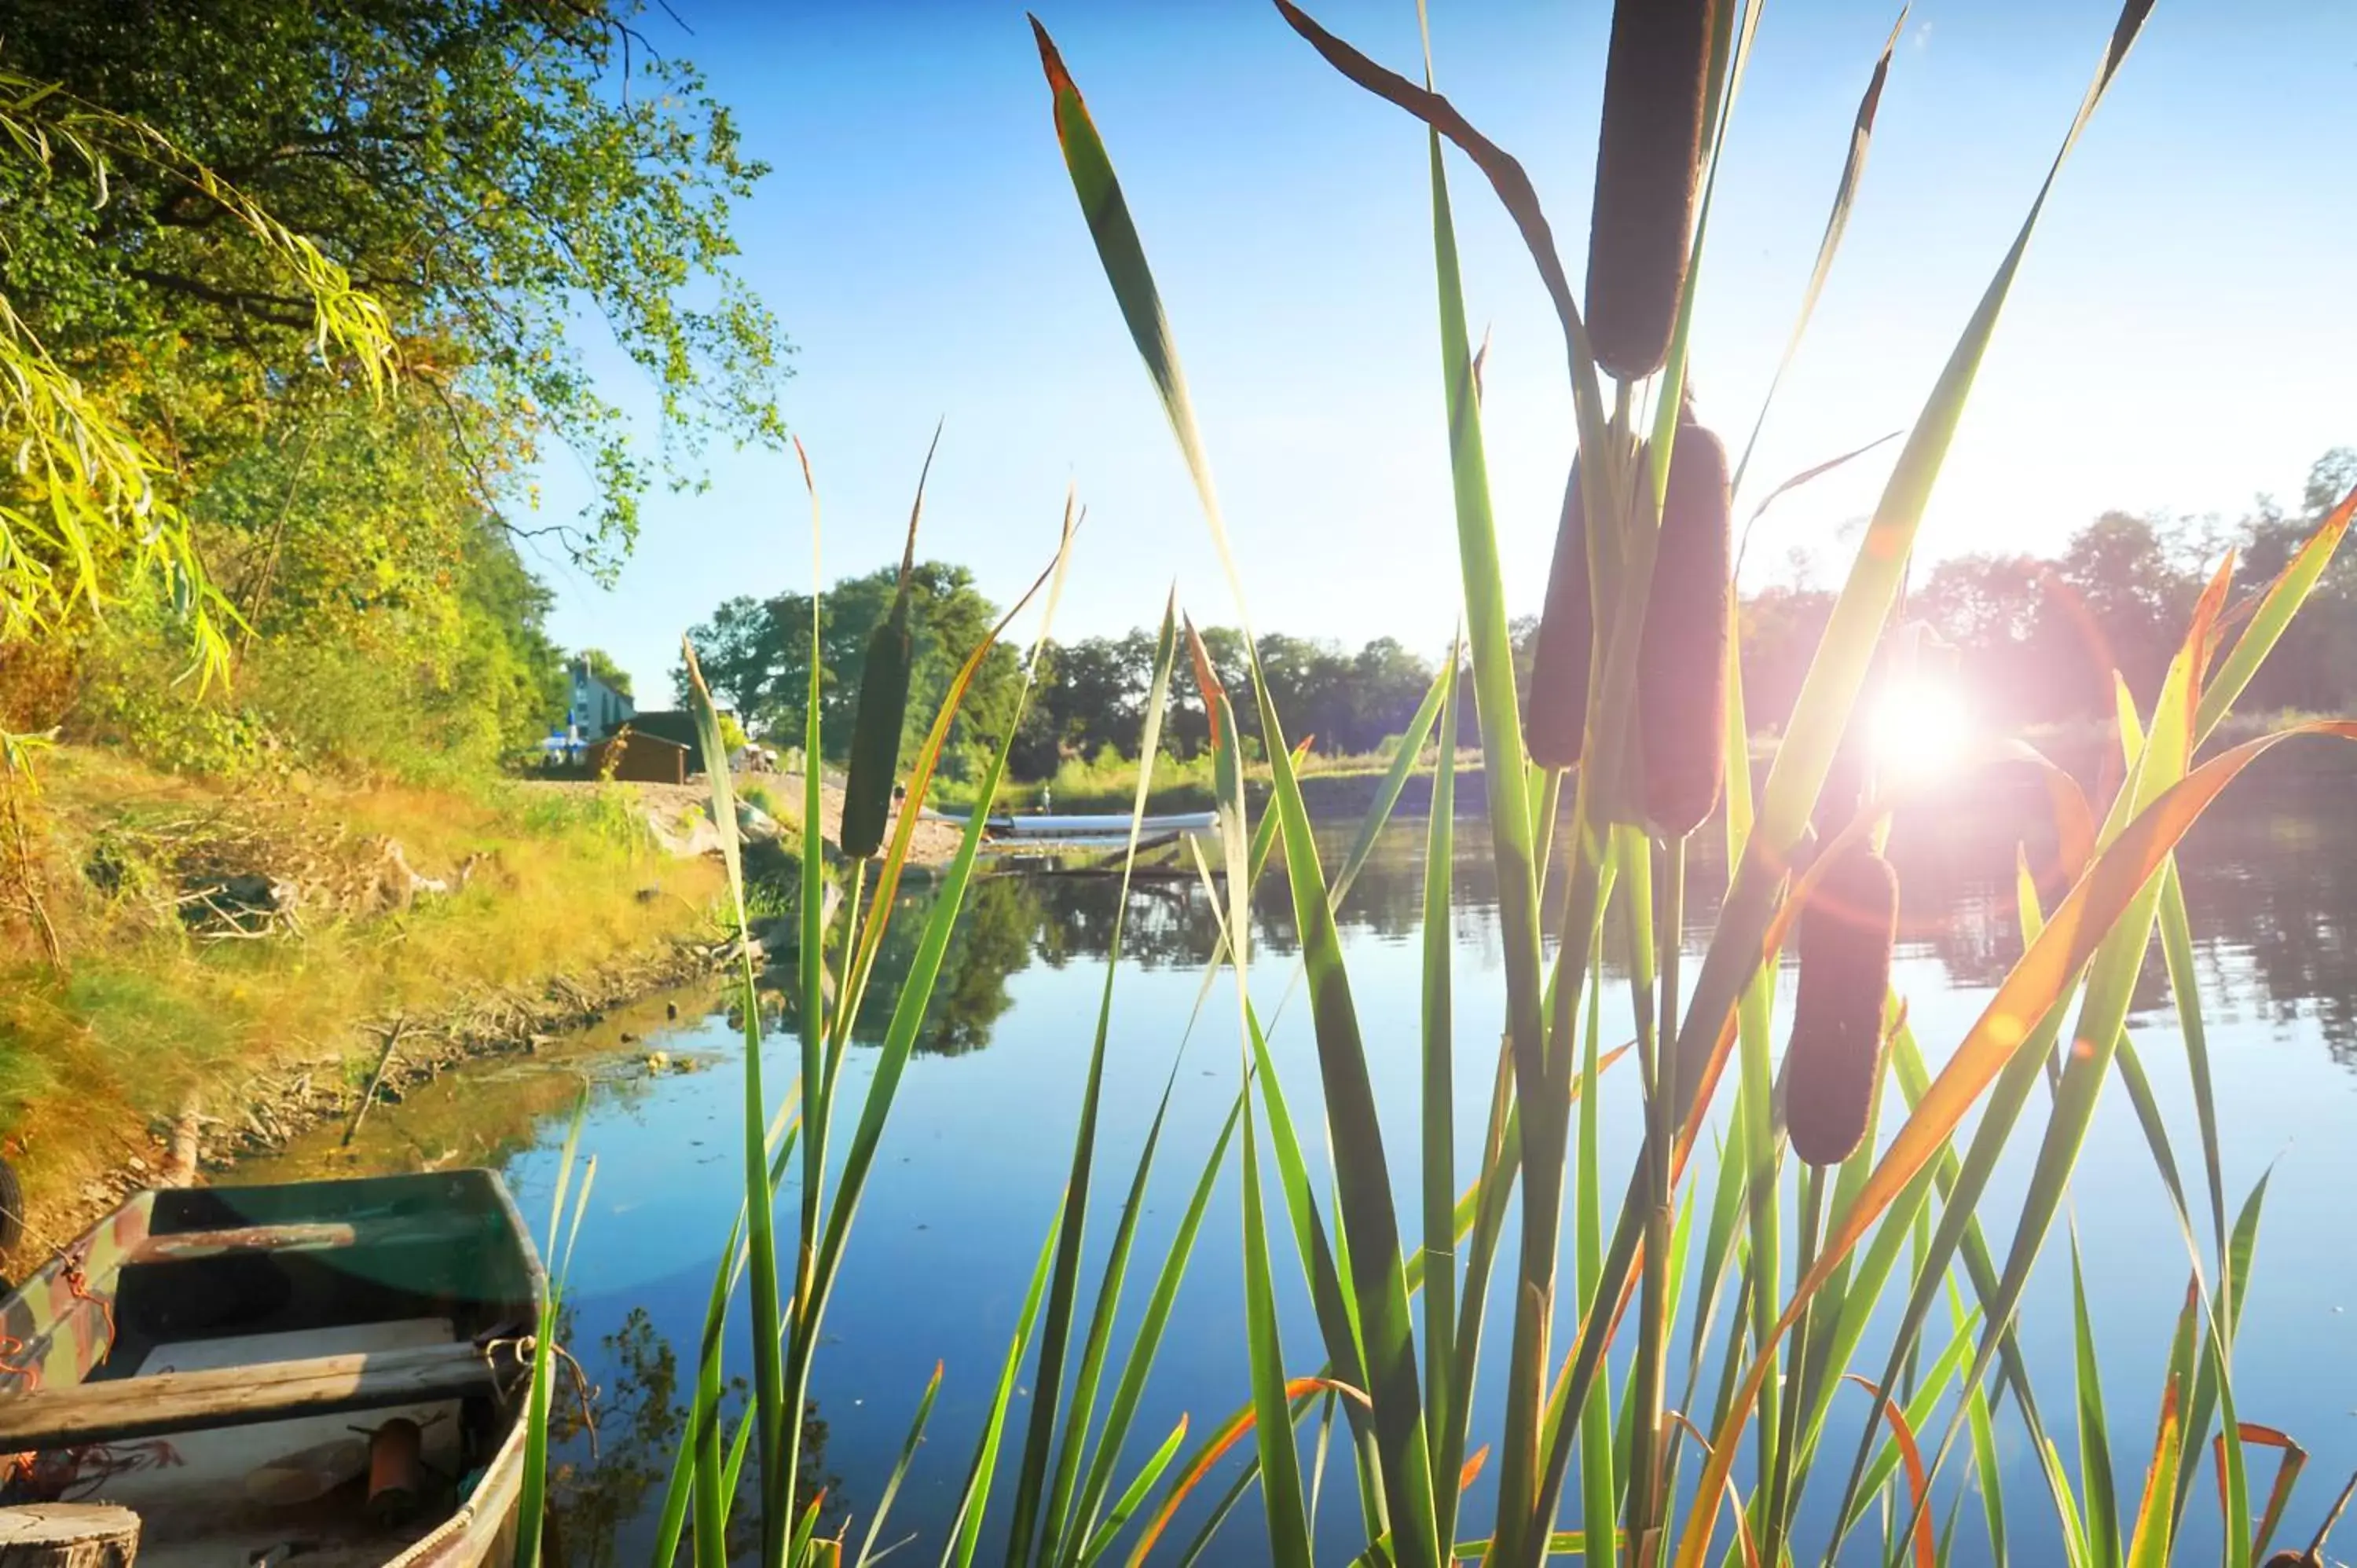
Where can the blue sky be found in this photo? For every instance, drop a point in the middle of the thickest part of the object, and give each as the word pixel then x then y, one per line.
pixel 2179 339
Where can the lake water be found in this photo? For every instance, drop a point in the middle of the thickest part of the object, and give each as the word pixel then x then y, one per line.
pixel 979 1144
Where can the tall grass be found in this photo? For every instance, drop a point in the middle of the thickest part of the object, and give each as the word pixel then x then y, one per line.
pixel 1680 1327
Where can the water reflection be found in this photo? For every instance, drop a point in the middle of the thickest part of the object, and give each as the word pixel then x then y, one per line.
pixel 611 1480
pixel 2272 905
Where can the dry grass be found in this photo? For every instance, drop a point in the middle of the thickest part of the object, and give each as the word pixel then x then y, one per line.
pixel 152 1008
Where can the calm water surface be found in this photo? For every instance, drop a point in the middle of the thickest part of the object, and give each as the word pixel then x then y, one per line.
pixel 980 1142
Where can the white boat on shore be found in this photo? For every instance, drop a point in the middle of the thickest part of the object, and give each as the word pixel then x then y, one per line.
pixel 1110 825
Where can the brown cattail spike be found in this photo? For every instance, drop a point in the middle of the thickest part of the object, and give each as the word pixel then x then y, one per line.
pixel 1557 713
pixel 1847 930
pixel 1681 668
pixel 1647 157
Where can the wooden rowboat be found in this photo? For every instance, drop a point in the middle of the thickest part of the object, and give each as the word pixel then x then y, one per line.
pixel 324 1373
pixel 1111 824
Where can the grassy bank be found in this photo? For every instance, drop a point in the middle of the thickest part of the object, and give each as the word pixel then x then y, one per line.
pixel 203 933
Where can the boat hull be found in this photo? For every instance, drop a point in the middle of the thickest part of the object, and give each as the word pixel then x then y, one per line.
pixel 235 1365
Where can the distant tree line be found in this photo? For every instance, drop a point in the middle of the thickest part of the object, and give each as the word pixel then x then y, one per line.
pixel 2040 636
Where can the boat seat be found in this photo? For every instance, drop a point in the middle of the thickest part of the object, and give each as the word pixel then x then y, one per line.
pixel 184 1246
pixel 167 1402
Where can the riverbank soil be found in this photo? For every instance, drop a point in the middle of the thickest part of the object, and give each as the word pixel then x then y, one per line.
pixel 187 964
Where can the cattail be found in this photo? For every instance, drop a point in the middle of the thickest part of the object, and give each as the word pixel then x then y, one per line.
pixel 1846 929
pixel 1647 155
pixel 875 735
pixel 1681 668
pixel 1556 716
pixel 883 702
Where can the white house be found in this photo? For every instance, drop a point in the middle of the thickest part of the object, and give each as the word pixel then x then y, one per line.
pixel 594 709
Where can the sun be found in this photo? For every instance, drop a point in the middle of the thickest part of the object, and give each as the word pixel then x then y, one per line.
pixel 1923 727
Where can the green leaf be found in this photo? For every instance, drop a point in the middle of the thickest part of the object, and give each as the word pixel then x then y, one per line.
pixel 965 1527
pixel 867 1552
pixel 2103 1512
pixel 1047 1386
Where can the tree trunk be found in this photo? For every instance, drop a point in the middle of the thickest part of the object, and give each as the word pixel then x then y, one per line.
pixel 69 1535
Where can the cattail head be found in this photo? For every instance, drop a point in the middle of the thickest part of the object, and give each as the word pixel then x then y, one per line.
pixel 883 699
pixel 1556 715
pixel 1681 671
pixel 1646 158
pixel 1846 932
pixel 875 735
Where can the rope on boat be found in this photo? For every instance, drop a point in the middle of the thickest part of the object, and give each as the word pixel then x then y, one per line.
pixel 523 1347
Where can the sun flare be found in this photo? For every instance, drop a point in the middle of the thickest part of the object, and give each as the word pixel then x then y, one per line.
pixel 1922 728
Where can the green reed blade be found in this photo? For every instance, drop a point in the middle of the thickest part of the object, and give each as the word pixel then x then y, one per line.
pixel 1299 1407
pixel 1377 816
pixel 1793 482
pixel 695 1466
pixel 867 1552
pixel 1513 849
pixel 1280 1466
pixel 1439 1104
pixel 1324 1262
pixel 2095 1475
pixel 531 1508
pixel 1056 1333
pixel 2184 989
pixel 924 968
pixel 1837 673
pixel 2150 1545
pixel 770 1379
pixel 810 974
pixel 2284 596
pixel 2119 959
pixel 1513 188
pixel 1730 52
pixel 1922 1406
pixel 2212 1378
pixel 1720 1244
pixel 1598 1475
pixel 732 1471
pixel 1263 843
pixel 1861 137
pixel 1131 1385
pixel 1985 1464
pixel 965 1526
pixel 1500 1157
pixel 2156 1137
pixel 1101 1541
pixel 2120 879
pixel 1122 255
pixel 1378 1289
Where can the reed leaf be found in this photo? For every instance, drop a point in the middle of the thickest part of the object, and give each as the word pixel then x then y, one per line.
pixel 1055 1333
pixel 1152 1326
pixel 1439 1104
pixel 965 1527
pixel 2093 907
pixel 532 1506
pixel 908 1446
pixel 771 1380
pixel 1861 138
pixel 2102 1513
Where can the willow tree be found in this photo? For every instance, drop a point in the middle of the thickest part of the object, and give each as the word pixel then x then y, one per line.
pixel 499 173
